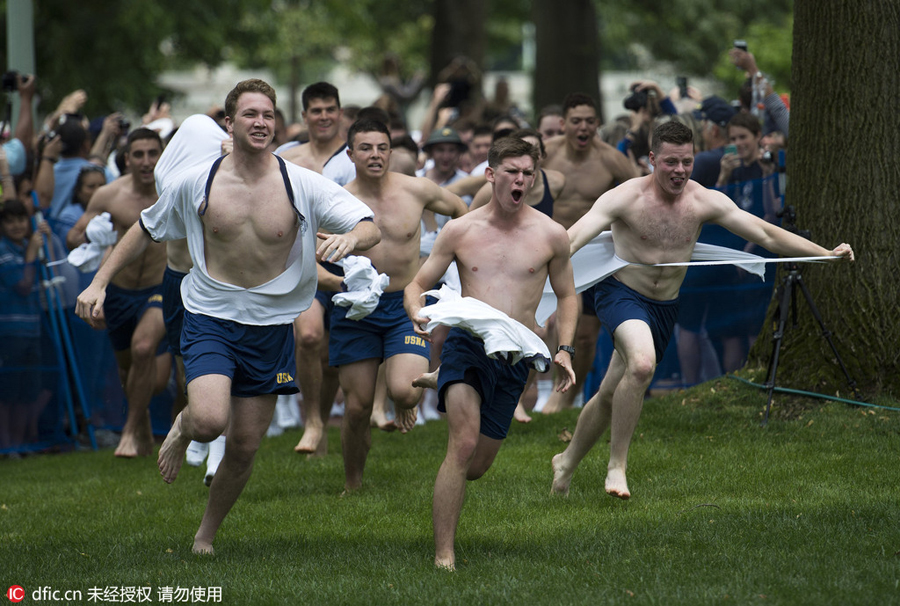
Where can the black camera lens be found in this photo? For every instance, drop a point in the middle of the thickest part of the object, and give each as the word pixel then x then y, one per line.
pixel 10 82
pixel 636 100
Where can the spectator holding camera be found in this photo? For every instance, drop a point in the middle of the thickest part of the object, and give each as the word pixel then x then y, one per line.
pixel 18 147
pixel 776 113
pixel 65 159
pixel 744 162
pixel 714 114
pixel 645 102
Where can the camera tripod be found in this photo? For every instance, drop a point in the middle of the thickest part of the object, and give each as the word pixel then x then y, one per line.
pixel 787 303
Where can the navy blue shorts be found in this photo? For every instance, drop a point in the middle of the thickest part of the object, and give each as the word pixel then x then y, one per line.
pixel 499 384
pixel 324 296
pixel 615 303
pixel 124 309
pixel 587 303
pixel 258 359
pixel 385 332
pixel 173 308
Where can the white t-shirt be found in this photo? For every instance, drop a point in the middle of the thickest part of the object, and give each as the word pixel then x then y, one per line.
pixel 340 168
pixel 322 203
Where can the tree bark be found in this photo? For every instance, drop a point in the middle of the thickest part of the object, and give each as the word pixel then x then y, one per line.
pixel 458 30
pixel 568 51
pixel 844 185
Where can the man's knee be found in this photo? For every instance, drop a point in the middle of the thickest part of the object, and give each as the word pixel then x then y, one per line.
pixel 406 396
pixel 357 409
pixel 310 337
pixel 143 348
pixel 241 450
pixel 461 451
pixel 641 368
pixel 206 428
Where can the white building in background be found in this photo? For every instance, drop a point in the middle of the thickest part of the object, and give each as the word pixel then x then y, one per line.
pixel 204 88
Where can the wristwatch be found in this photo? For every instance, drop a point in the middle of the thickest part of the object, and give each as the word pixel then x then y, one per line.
pixel 567 348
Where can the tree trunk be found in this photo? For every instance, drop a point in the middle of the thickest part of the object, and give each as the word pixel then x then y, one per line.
pixel 458 30
pixel 844 185
pixel 568 51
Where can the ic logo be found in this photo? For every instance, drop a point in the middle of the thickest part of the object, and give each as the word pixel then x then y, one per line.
pixel 15 593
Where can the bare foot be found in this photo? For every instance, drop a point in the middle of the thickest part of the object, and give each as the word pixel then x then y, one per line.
pixel 130 447
pixel 309 442
pixel 171 453
pixel 521 415
pixel 448 564
pixel 203 547
pixel 562 477
pixel 555 403
pixel 349 490
pixel 321 449
pixel 427 380
pixel 406 418
pixel 380 420
pixel 616 485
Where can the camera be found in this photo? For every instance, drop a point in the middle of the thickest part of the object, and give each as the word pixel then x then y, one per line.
pixel 766 157
pixel 636 100
pixel 682 83
pixel 741 44
pixel 10 81
pixel 789 223
pixel 124 125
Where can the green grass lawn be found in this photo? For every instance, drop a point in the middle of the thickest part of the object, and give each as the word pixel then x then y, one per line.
pixel 804 511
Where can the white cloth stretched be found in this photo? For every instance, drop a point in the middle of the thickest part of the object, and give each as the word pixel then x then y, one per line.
pixel 182 172
pixel 597 261
pixel 504 338
pixel 364 287
pixel 101 234
pixel 198 142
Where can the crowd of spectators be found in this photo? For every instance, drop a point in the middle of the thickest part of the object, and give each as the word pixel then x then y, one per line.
pixel 51 169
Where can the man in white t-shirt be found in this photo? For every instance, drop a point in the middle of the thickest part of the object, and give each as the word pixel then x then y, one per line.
pixel 252 224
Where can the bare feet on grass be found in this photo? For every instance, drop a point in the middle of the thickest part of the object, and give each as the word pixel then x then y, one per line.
pixel 406 418
pixel 616 485
pixel 380 420
pixel 202 547
pixel 562 477
pixel 521 415
pixel 447 563
pixel 171 453
pixel 309 441
pixel 130 447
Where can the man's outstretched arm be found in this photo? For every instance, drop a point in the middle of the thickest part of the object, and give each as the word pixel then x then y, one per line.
pixel 89 305
pixel 334 247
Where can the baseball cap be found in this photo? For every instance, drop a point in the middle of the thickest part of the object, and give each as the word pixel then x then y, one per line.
pixel 716 109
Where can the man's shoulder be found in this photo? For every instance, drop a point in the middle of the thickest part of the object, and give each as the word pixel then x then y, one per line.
pixel 555 144
pixel 106 193
pixel 303 173
pixel 300 155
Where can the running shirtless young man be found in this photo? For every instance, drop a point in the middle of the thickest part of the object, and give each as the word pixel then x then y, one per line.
pixel 324 153
pixel 134 319
pixel 591 168
pixel 358 347
pixel 654 219
pixel 252 223
pixel 505 252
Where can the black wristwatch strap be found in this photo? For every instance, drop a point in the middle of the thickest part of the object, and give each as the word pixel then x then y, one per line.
pixel 567 348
